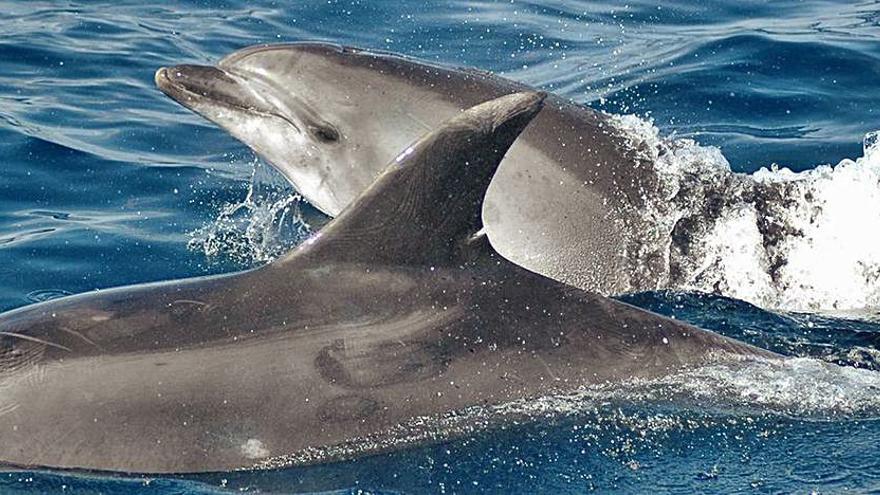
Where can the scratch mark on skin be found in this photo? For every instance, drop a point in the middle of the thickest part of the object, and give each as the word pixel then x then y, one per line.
pixel 8 408
pixel 80 335
pixel 36 340
pixel 189 301
pixel 549 370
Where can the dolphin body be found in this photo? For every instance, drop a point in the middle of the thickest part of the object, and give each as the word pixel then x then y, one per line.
pixel 398 309
pixel 567 202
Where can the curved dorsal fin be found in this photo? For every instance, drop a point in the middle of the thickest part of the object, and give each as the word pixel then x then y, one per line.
pixel 425 208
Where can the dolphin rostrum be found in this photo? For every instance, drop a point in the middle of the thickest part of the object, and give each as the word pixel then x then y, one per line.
pixel 398 309
pixel 567 202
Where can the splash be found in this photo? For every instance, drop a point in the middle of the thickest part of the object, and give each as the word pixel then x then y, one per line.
pixel 801 388
pixel 266 223
pixel 778 239
pixel 805 388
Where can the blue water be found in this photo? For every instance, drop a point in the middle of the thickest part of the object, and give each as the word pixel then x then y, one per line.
pixel 104 182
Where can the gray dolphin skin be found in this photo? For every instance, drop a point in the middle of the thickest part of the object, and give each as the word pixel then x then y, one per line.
pixel 565 202
pixel 398 309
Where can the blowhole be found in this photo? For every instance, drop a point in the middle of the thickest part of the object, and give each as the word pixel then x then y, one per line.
pixel 325 134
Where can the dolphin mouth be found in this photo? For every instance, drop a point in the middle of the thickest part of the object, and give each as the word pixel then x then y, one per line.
pixel 195 85
pixel 174 88
pixel 189 84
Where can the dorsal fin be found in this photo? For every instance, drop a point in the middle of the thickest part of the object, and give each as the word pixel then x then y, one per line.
pixel 427 204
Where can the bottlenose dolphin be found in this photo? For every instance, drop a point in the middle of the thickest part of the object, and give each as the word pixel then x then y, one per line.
pixel 566 203
pixel 399 308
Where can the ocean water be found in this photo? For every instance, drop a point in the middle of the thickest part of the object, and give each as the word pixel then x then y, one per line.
pixel 104 181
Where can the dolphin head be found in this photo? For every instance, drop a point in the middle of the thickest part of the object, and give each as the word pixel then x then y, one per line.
pixel 314 111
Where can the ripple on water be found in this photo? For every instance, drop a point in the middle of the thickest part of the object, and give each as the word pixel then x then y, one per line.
pixel 44 295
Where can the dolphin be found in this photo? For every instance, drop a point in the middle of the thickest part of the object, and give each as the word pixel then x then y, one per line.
pixel 399 308
pixel 568 201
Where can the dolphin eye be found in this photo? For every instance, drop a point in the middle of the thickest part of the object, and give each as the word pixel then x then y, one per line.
pixel 325 133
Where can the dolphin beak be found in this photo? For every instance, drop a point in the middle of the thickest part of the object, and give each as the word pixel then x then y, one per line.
pixel 162 81
pixel 203 80
pixel 167 85
pixel 195 86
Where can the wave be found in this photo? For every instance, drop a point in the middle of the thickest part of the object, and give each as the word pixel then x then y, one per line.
pixel 793 241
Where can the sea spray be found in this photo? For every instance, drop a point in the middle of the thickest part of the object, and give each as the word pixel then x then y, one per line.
pixel 266 223
pixel 776 238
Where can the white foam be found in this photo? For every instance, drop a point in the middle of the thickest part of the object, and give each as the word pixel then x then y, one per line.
pixel 254 449
pixel 776 238
pixel 836 264
pixel 801 387
pixel 734 243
